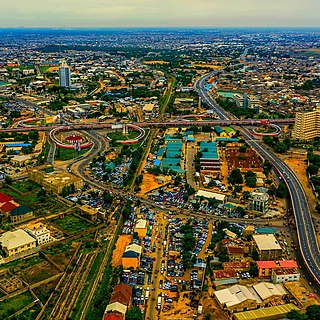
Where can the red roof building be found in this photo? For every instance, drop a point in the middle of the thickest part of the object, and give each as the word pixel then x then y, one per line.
pixel 113 316
pixel 225 274
pixel 74 138
pixel 121 293
pixel 4 198
pixel 7 207
pixel 288 264
pixel 238 265
pixel 265 268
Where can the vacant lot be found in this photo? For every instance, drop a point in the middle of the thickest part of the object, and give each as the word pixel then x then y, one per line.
pixel 26 186
pixel 38 272
pixel 121 244
pixel 72 224
pixel 11 306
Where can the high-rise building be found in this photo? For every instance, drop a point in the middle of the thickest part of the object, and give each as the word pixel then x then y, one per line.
pixel 246 101
pixel 64 76
pixel 307 125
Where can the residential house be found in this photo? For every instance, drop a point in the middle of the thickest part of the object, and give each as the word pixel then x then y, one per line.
pixel 16 242
pixel 21 214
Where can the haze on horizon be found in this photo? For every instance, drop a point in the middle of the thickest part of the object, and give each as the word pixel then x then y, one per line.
pixel 159 13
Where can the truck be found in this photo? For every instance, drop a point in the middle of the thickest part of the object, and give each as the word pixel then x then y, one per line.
pixel 159 301
pixel 147 295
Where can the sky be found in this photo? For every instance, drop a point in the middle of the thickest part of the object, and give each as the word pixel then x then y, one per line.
pixel 159 13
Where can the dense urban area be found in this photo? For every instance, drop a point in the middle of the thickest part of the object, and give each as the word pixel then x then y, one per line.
pixel 160 174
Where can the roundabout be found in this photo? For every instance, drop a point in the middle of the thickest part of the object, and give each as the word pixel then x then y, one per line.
pixel 271 130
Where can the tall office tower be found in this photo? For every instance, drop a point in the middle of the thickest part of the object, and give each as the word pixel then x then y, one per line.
pixel 307 125
pixel 64 75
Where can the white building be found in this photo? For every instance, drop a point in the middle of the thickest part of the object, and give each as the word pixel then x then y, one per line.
pixel 246 101
pixel 39 232
pixel 281 275
pixel 259 200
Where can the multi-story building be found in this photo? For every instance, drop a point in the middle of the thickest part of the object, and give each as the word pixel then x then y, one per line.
pixel 16 242
pixel 21 214
pixel 39 232
pixel 259 201
pixel 307 125
pixel 281 275
pixel 64 76
pixel 267 246
pixel 52 180
pixel 246 101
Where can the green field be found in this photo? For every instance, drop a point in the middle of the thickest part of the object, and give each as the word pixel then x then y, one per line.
pixel 49 206
pixel 11 306
pixel 25 186
pixel 119 136
pixel 44 68
pixel 63 154
pixel 22 264
pixel 72 224
pixel 30 314
pixel 21 67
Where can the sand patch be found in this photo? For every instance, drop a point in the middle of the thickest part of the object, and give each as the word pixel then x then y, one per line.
pixel 122 243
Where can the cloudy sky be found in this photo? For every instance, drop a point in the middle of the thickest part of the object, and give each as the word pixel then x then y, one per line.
pixel 159 13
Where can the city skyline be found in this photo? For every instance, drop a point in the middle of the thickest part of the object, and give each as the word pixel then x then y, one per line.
pixel 143 13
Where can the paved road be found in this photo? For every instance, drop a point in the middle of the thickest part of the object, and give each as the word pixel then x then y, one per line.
pixel 306 233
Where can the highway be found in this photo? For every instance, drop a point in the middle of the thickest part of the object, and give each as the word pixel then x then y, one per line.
pixel 306 233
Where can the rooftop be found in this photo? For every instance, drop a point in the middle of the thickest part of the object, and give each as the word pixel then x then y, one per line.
pixel 265 313
pixel 266 290
pixel 266 264
pixel 15 239
pixel 266 242
pixel 18 211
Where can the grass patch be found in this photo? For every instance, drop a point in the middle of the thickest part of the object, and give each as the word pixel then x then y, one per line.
pixel 68 154
pixel 43 292
pixel 30 314
pixel 119 136
pixel 72 224
pixel 44 68
pixel 11 306
pixel 18 265
pixel 25 186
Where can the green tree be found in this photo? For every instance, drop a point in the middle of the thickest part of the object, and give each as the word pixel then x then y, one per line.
pixel 281 190
pixel 312 170
pixel 251 182
pixel 33 135
pixel 296 315
pixel 313 312
pixel 207 316
pixel 272 190
pixel 177 181
pixel 253 269
pixel 134 314
pixel 235 177
pixel 246 195
pixel 241 212
pixel 267 166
